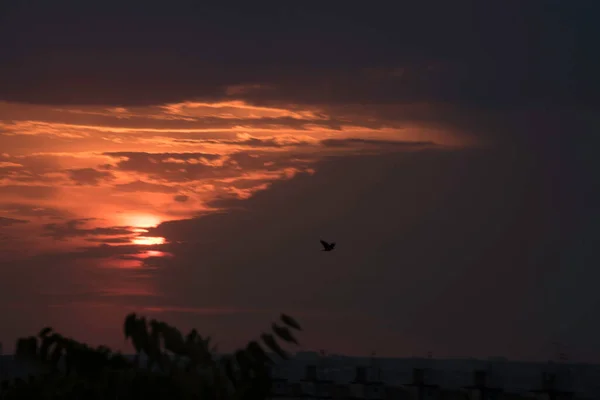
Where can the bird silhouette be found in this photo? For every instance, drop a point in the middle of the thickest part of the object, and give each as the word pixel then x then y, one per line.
pixel 327 246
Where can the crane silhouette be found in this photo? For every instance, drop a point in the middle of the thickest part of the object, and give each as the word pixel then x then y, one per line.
pixel 327 246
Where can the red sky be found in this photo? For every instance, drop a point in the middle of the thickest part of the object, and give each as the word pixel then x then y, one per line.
pixel 83 177
pixel 183 163
pixel 91 174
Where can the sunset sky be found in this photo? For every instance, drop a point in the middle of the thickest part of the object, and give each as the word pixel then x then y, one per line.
pixel 183 161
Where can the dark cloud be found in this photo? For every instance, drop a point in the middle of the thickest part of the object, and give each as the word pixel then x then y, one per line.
pixel 29 170
pixel 181 198
pixel 251 142
pixel 161 157
pixel 89 176
pixel 29 210
pixel 141 186
pixel 435 236
pixel 256 142
pixel 5 221
pixel 31 178
pixel 34 192
pixel 72 228
pixel 175 167
pixel 506 54
pixel 115 240
pixel 181 167
pixel 256 160
pixel 395 144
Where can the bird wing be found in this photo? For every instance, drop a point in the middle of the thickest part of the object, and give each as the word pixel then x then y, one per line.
pixel 324 243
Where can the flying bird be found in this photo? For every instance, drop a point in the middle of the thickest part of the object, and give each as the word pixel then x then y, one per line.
pixel 327 246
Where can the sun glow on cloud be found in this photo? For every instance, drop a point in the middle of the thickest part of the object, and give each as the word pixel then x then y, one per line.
pixel 148 240
pixel 126 170
pixel 141 221
pixel 139 224
pixel 89 183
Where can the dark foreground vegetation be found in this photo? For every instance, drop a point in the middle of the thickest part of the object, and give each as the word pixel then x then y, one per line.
pixel 178 366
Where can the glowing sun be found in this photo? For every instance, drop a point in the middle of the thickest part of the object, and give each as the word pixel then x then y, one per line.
pixel 141 221
pixel 148 240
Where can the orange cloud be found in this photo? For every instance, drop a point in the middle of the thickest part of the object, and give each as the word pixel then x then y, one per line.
pixel 237 110
pixel 138 166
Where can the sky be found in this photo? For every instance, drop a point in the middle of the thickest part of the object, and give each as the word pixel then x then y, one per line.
pixel 183 161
